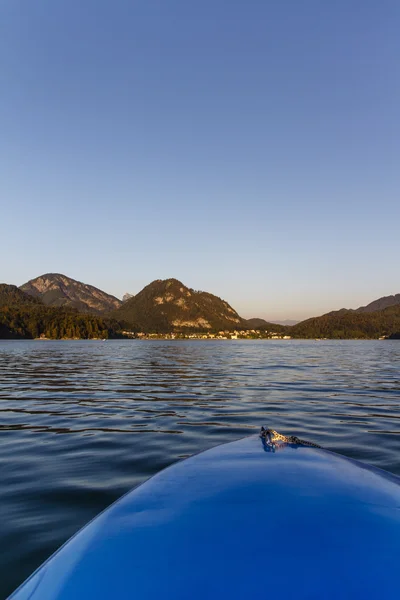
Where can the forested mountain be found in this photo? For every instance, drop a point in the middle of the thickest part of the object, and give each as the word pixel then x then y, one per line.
pixel 55 289
pixel 168 305
pixel 25 317
pixel 344 324
pixel 264 325
pixel 12 295
pixel 380 304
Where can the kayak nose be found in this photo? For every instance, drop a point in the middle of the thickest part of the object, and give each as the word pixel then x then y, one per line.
pixel 266 435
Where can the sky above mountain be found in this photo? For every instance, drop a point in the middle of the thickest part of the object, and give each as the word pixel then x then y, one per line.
pixel 249 149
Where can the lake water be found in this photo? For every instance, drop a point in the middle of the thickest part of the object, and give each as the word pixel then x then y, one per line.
pixel 83 422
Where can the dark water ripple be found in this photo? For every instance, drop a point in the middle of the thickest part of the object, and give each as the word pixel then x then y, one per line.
pixel 83 422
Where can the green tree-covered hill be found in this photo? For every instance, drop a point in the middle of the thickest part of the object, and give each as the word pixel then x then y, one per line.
pixel 11 295
pixel 168 305
pixel 25 317
pixel 350 324
pixel 380 304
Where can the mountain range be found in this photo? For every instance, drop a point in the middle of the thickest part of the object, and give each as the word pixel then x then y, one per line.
pixel 162 306
pixel 54 305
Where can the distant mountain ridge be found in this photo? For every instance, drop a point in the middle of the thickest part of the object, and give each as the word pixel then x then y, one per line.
pixel 168 305
pixel 126 297
pixel 380 304
pixel 264 325
pixel 55 289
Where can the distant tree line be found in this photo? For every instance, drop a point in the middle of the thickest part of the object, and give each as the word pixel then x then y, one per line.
pixel 29 322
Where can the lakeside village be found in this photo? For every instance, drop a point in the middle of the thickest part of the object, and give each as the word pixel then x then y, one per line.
pixel 251 334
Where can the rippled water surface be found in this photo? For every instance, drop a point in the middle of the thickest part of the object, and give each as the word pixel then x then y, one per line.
pixel 83 422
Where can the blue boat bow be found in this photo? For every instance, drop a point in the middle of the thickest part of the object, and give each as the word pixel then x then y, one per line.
pixel 242 520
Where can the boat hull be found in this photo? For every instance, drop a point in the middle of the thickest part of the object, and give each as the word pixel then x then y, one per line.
pixel 238 521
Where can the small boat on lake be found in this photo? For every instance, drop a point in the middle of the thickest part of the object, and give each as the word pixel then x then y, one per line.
pixel 267 516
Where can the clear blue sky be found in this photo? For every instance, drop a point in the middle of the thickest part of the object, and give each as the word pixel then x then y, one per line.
pixel 247 148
